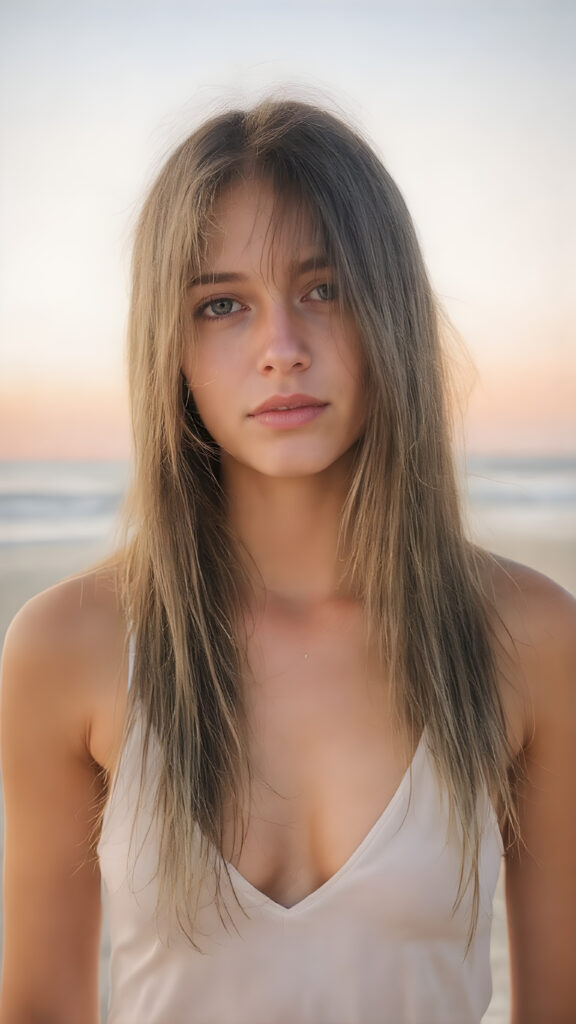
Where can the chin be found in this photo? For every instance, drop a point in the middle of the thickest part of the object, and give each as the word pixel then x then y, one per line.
pixel 299 468
pixel 306 462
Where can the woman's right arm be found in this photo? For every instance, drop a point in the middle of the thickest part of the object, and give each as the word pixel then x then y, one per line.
pixel 52 789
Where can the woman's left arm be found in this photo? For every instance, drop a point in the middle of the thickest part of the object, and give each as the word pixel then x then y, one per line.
pixel 541 868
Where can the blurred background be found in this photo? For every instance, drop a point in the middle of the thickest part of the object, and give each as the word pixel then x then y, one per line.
pixel 471 106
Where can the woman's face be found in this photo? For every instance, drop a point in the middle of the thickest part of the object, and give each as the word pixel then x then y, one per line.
pixel 274 365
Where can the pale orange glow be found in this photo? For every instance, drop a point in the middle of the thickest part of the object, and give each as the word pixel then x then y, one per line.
pixel 61 423
pixel 524 405
pixel 512 412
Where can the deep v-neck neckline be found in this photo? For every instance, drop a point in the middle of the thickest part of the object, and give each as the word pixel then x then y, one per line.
pixel 264 902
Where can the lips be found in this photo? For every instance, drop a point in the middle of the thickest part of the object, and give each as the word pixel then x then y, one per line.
pixel 284 403
pixel 288 412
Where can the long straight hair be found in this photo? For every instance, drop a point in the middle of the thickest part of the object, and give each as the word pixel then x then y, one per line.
pixel 419 579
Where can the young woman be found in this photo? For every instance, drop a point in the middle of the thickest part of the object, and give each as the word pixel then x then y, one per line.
pixel 299 717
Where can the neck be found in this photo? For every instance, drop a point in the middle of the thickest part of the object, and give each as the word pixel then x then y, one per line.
pixel 288 530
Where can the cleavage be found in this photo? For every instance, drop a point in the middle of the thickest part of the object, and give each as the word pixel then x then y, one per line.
pixel 326 761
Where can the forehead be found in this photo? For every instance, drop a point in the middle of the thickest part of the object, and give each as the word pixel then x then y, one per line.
pixel 253 226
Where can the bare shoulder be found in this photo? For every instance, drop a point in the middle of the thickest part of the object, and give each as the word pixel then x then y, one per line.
pixel 65 653
pixel 537 627
pixel 60 725
pixel 538 630
pixel 532 606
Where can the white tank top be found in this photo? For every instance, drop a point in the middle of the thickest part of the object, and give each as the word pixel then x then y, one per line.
pixel 378 943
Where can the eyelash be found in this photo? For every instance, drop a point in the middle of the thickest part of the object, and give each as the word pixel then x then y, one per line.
pixel 200 312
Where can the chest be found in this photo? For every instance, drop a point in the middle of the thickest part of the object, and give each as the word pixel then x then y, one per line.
pixel 324 750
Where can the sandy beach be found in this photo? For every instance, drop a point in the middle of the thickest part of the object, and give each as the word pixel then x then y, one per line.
pixel 26 569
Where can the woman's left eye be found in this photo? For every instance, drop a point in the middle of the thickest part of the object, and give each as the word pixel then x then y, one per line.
pixel 325 292
pixel 215 309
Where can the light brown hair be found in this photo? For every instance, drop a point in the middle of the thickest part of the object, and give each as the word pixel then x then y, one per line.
pixel 417 576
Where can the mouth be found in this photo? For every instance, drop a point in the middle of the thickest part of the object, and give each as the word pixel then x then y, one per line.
pixel 288 412
pixel 286 403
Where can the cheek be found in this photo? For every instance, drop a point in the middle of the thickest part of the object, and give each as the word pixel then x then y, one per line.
pixel 353 366
pixel 349 347
pixel 212 383
pixel 202 375
pixel 354 363
pixel 211 364
pixel 196 376
pixel 358 359
pixel 212 411
pixel 192 365
pixel 359 413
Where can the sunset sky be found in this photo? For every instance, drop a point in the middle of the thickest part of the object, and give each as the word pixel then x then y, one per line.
pixel 471 105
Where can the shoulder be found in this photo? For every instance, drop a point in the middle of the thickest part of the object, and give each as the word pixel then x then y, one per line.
pixel 536 629
pixel 538 632
pixel 61 666
pixel 532 606
pixel 65 653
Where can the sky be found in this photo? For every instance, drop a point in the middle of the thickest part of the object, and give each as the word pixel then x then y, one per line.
pixel 470 104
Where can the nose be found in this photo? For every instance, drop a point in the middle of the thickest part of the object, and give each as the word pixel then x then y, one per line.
pixel 281 346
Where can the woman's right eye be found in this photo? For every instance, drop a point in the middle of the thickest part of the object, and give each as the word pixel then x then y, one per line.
pixel 216 309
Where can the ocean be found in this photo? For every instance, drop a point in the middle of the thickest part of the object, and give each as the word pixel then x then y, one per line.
pixel 526 496
pixel 60 502
pixel 70 502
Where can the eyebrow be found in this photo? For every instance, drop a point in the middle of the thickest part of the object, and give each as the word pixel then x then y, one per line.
pixel 226 275
pixel 297 267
